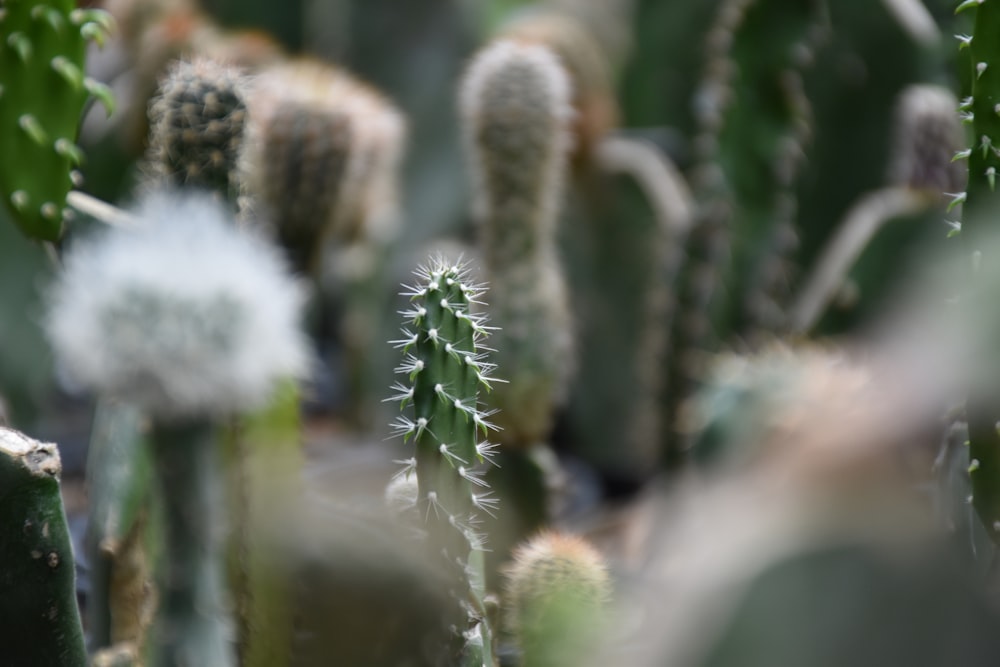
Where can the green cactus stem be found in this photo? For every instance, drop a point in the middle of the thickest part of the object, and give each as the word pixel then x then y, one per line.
pixel 43 90
pixel 445 365
pixel 190 626
pixel 118 481
pixel 980 201
pixel 37 580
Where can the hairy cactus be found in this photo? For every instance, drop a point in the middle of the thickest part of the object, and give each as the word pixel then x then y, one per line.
pixel 193 321
pixel 445 367
pixel 515 106
pixel 196 127
pixel 42 94
pixel 557 588
pixel 37 580
pixel 927 136
pixel 321 158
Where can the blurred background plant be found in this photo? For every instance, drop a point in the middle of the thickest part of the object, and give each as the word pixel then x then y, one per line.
pixel 699 221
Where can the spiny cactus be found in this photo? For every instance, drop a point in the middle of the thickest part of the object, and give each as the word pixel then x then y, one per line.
pixel 515 108
pixel 196 127
pixel 445 367
pixel 42 94
pixel 37 585
pixel 193 321
pixel 557 588
pixel 322 152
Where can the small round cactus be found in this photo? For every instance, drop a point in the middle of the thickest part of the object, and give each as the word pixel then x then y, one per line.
pixel 928 134
pixel 196 126
pixel 515 104
pixel 557 587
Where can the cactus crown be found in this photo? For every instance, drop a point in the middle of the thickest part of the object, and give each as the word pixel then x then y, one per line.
pixel 196 124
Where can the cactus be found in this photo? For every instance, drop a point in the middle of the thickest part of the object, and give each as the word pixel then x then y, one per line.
pixel 446 367
pixel 557 589
pixel 752 96
pixel 322 151
pixel 196 127
pixel 515 108
pixel 42 94
pixel 193 321
pixel 37 581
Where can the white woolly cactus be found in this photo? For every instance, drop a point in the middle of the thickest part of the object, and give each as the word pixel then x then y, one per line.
pixel 515 103
pixel 928 134
pixel 184 315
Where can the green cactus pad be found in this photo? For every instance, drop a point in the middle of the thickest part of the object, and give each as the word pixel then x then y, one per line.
pixel 43 90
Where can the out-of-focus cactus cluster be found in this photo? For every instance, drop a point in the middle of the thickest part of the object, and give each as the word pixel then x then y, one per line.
pixel 499 334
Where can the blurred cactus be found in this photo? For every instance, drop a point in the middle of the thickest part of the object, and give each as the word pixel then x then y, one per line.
pixel 192 320
pixel 322 156
pixel 927 135
pixel 37 584
pixel 557 590
pixel 196 127
pixel 445 367
pixel 43 90
pixel 515 107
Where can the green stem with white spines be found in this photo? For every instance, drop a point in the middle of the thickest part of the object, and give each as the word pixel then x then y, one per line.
pixel 446 368
pixel 981 196
pixel 43 90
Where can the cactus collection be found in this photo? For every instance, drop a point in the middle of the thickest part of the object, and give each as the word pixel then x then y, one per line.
pixel 686 345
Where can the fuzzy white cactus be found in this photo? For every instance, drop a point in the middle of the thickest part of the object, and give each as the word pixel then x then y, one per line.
pixel 184 314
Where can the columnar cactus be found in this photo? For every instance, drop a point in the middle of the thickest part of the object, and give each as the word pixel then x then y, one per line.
pixel 37 578
pixel 192 320
pixel 42 94
pixel 980 201
pixel 515 104
pixel 557 589
pixel 196 127
pixel 322 155
pixel 445 368
pixel 738 249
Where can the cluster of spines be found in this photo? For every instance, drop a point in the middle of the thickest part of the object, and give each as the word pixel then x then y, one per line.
pixel 43 90
pixel 196 126
pixel 445 368
pixel 515 104
pixel 979 200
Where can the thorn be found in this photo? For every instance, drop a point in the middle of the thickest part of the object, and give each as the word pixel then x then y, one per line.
pixel 966 117
pixel 991 178
pixel 962 155
pixel 50 211
pixel 985 143
pixel 101 18
pixel 20 43
pixel 19 199
pixel 33 129
pixel 965 104
pixel 956 199
pixel 968 4
pixel 973 465
pixel 75 177
pixel 964 41
pixel 68 71
pixel 50 15
pixel 102 93
pixel 980 68
pixel 71 152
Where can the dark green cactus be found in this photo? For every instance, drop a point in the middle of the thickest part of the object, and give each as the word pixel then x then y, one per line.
pixel 754 121
pixel 196 127
pixel 37 578
pixel 445 367
pixel 42 94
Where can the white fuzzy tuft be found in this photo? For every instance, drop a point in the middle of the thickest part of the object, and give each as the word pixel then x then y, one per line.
pixel 185 315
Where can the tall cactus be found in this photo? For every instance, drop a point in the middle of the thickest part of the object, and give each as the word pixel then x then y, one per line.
pixel 981 200
pixel 37 584
pixel 445 367
pixel 515 103
pixel 42 94
pixel 754 122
